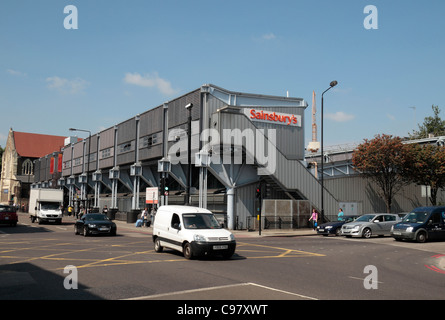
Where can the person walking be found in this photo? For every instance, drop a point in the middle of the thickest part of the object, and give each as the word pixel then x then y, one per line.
pixel 340 214
pixel 314 218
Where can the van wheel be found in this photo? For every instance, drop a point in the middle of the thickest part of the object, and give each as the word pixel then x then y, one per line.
pixel 158 247
pixel 421 236
pixel 187 250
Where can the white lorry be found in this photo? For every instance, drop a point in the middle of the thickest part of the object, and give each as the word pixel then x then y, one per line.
pixel 45 205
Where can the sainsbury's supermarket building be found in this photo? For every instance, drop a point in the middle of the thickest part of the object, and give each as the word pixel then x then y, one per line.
pixel 237 140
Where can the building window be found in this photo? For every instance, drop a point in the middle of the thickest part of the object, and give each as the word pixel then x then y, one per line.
pixel 27 168
pixel 126 147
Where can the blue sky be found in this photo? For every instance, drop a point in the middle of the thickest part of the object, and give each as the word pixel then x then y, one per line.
pixel 129 56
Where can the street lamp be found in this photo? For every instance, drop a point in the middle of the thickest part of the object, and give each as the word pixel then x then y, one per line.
pixel 331 85
pixel 189 154
pixel 89 152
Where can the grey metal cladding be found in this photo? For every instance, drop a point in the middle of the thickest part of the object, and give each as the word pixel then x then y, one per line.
pixel 176 108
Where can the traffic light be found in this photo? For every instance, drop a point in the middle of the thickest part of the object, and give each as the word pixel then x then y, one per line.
pixel 162 185
pixel 165 189
pixel 258 191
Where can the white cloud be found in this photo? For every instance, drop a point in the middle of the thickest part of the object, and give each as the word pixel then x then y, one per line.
pixel 340 116
pixel 150 81
pixel 16 73
pixel 63 85
pixel 268 36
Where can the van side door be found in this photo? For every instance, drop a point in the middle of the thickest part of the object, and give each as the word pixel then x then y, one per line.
pixel 174 232
pixel 435 225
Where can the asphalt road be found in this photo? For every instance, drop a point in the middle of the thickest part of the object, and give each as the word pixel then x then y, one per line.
pixel 34 260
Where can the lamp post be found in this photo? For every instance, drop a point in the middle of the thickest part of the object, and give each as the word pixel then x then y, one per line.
pixel 331 85
pixel 189 154
pixel 89 152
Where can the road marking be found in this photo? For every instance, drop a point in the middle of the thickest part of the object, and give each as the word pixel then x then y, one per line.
pixel 362 279
pixel 184 292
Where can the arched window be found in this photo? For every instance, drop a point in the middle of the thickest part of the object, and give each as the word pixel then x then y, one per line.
pixel 27 168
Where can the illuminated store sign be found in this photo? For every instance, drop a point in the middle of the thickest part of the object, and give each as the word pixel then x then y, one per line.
pixel 268 116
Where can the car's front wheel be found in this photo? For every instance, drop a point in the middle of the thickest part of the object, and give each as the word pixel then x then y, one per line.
pixel 367 233
pixel 187 250
pixel 421 236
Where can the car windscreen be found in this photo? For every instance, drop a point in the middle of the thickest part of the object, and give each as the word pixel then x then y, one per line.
pixel 365 218
pixel 96 217
pixel 200 221
pixel 7 209
pixel 416 217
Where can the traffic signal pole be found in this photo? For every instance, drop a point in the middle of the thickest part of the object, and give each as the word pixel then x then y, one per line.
pixel 259 196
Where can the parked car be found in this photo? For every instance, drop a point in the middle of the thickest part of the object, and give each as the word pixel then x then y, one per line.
pixel 422 224
pixel 8 215
pixel 95 223
pixel 334 227
pixel 370 224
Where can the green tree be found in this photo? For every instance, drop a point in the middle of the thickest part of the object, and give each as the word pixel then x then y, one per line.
pixel 431 125
pixel 383 160
pixel 428 167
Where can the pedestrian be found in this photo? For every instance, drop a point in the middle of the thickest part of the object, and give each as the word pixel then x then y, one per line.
pixel 340 214
pixel 314 218
pixel 144 217
pixel 105 209
pixel 82 212
pixel 70 210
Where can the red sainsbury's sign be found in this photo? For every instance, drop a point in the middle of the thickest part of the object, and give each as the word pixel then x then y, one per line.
pixel 273 117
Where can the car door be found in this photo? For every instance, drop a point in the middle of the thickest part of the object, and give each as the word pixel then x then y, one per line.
pixel 377 225
pixel 390 220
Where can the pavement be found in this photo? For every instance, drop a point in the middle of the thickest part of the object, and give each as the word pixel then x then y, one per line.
pixel 131 227
pixel 123 225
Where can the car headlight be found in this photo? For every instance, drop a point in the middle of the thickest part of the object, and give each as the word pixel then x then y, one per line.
pixel 356 228
pixel 199 237
pixel 232 237
pixel 328 227
pixel 409 229
pixel 90 225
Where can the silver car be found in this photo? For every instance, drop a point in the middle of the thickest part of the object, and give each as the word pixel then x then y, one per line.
pixel 370 224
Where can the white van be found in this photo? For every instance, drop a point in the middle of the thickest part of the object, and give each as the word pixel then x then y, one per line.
pixel 191 230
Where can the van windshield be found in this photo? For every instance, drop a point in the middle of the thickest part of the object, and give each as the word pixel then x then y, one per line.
pixel 416 217
pixel 50 206
pixel 200 221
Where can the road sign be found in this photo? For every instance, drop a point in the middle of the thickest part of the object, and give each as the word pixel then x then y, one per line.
pixel 151 195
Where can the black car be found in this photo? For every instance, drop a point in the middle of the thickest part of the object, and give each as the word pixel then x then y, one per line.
pixel 95 223
pixel 334 227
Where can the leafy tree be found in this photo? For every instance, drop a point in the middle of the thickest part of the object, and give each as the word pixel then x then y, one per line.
pixel 431 125
pixel 383 160
pixel 428 167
